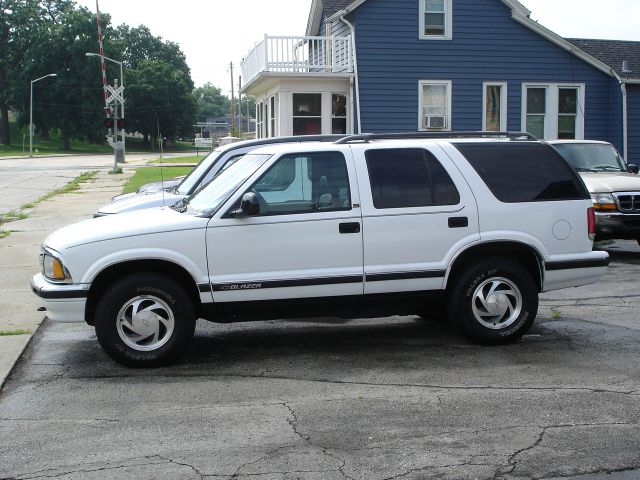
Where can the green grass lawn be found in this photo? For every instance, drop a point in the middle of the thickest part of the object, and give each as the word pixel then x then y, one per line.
pixel 153 174
pixel 20 136
pixel 192 159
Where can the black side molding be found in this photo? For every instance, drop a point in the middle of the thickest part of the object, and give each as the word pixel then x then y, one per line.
pixel 382 277
pixel 571 264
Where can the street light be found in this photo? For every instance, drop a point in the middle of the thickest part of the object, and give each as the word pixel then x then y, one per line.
pixel 31 112
pixel 89 54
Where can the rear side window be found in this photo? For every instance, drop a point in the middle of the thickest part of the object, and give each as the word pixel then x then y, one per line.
pixel 409 177
pixel 523 172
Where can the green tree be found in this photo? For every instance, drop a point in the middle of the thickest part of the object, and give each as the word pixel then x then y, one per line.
pixel 158 84
pixel 72 102
pixel 211 102
pixel 134 45
pixel 159 96
pixel 21 21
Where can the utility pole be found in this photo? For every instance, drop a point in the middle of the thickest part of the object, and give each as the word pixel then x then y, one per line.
pixel 239 104
pixel 233 112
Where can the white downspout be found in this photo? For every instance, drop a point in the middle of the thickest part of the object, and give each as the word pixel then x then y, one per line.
pixel 625 139
pixel 355 68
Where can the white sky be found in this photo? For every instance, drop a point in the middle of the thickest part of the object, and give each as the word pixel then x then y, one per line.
pixel 213 33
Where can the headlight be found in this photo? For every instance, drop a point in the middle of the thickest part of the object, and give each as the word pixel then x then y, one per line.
pixel 603 202
pixel 53 269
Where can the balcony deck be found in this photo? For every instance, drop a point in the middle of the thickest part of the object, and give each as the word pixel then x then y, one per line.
pixel 298 56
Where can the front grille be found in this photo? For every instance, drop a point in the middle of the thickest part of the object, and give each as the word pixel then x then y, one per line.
pixel 628 202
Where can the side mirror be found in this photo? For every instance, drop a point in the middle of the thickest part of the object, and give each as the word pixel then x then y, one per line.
pixel 249 206
pixel 632 168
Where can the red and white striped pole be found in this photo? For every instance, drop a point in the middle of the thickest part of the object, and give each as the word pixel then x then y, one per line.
pixel 102 64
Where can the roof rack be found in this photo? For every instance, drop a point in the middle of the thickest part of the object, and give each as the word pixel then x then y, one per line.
pixel 367 137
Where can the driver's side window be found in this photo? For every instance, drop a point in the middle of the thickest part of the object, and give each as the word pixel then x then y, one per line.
pixel 304 183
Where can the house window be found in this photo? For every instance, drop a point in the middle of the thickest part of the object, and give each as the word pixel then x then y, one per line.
pixel 554 111
pixel 260 120
pixel 435 105
pixel 307 113
pixel 495 106
pixel 338 114
pixel 536 111
pixel 567 113
pixel 435 19
pixel 273 108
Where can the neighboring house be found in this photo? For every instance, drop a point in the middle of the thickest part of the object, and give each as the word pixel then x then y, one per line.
pixel 221 126
pixel 439 65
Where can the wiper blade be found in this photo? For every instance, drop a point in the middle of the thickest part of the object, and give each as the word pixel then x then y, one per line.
pixel 608 168
pixel 581 169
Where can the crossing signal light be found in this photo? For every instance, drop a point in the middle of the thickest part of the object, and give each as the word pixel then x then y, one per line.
pixel 121 124
pixel 108 122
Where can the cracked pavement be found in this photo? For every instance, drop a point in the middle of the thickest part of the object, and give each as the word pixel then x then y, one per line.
pixel 379 399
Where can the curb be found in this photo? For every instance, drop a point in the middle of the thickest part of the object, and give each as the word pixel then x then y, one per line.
pixel 13 346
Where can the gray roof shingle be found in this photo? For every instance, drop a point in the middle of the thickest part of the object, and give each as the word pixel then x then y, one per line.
pixel 332 6
pixel 613 53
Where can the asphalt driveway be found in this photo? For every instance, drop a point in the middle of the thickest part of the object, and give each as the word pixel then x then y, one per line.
pixel 332 399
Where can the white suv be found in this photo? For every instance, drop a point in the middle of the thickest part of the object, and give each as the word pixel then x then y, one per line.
pixel 368 226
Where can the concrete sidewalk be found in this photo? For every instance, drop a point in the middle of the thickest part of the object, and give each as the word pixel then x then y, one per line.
pixel 19 258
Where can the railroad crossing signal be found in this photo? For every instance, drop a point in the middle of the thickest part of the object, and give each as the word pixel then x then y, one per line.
pixel 117 94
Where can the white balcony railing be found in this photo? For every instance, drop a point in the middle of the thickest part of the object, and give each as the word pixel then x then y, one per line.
pixel 298 55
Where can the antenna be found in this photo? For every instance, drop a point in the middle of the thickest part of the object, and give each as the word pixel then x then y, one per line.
pixel 161 169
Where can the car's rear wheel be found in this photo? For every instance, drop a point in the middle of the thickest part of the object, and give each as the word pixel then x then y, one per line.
pixel 493 302
pixel 145 320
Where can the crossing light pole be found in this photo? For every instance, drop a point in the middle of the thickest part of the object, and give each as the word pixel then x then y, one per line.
pixel 89 54
pixel 31 112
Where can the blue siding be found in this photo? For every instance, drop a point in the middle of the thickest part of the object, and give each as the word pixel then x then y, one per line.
pixel 633 118
pixel 487 45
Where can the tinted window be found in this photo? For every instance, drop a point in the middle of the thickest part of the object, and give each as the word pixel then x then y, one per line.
pixel 523 172
pixel 304 183
pixel 403 178
pixel 591 157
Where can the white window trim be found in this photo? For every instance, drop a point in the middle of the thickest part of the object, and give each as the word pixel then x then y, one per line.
pixel 272 129
pixel 503 104
pixel 421 84
pixel 551 123
pixel 260 119
pixel 448 22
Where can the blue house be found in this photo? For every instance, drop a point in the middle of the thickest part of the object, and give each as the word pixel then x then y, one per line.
pixel 440 65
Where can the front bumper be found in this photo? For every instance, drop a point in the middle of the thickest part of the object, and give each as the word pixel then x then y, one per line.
pixel 617 225
pixel 64 303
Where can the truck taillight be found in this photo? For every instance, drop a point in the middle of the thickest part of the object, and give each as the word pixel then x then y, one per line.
pixel 591 223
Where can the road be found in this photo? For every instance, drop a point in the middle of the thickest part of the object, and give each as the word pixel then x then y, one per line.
pixel 24 180
pixel 331 399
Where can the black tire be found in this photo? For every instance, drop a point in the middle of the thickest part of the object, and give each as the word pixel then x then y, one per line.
pixel 516 292
pixel 162 307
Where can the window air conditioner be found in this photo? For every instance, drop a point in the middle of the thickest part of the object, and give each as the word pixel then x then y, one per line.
pixel 435 121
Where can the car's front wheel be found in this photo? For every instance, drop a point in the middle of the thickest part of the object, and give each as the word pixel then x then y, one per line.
pixel 493 302
pixel 145 320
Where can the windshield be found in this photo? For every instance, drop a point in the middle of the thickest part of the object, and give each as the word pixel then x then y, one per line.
pixel 207 200
pixel 591 157
pixel 194 176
